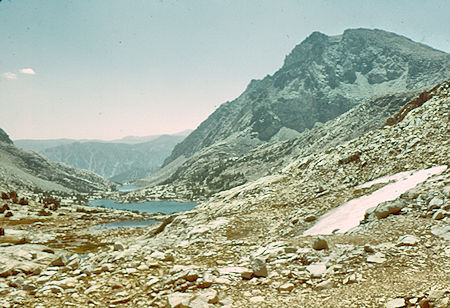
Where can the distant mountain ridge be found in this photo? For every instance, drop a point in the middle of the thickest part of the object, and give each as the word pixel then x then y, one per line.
pixel 27 169
pixel 322 77
pixel 120 162
pixel 39 145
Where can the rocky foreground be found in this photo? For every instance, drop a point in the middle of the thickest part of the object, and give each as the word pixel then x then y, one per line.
pixel 246 247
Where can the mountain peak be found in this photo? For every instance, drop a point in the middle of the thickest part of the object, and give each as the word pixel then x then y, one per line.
pixel 322 77
pixel 318 47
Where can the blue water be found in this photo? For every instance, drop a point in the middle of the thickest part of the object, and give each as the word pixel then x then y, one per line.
pixel 125 224
pixel 125 188
pixel 165 207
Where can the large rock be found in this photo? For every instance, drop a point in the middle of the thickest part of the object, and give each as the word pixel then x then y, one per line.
pixel 435 203
pixel 66 283
pixel 396 303
pixel 316 270
pixel 320 243
pixel 209 296
pixel 26 258
pixel 52 289
pixel 325 285
pixel 407 240
pixel 259 267
pixel 441 231
pixel 179 300
pixel 377 258
pixel 60 260
pixel 118 246
pixel 387 208
pixel 286 287
pixel 439 214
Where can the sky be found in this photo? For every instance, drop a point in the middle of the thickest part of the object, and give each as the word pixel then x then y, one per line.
pixel 91 69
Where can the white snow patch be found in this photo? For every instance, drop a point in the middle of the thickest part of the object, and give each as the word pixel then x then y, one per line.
pixel 386 179
pixel 348 215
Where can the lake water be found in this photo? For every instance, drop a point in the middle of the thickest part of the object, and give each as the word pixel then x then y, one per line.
pixel 125 224
pixel 126 188
pixel 164 207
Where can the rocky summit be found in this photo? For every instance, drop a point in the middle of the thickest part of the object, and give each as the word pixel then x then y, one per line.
pixel 352 212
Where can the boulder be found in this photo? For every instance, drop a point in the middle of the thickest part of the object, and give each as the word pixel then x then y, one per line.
pixel 52 288
pixel 66 283
pixel 396 303
pixel 179 300
pixel 16 282
pixel 325 285
pixel 316 270
pixel 74 262
pixel 259 267
pixel 256 299
pixel 206 281
pixel 209 296
pixel 121 300
pixel 407 240
pixel 161 256
pixel 191 276
pixel 198 302
pixel 435 203
pixel 350 279
pixel 118 246
pixel 424 303
pixel 320 243
pixel 287 287
pixel 310 218
pixel 377 258
pixel 368 248
pixel 441 231
pixel 387 208
pixel 247 275
pixel 439 215
pixel 60 260
pixel 30 287
pixel 412 193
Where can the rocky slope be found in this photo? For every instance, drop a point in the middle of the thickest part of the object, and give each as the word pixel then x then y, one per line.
pixel 247 247
pixel 119 162
pixel 321 78
pixel 220 167
pixel 31 171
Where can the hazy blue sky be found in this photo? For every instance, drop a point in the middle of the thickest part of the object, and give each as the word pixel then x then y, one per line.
pixel 107 69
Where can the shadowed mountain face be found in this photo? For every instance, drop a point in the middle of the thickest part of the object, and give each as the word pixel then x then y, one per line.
pixel 323 77
pixel 212 171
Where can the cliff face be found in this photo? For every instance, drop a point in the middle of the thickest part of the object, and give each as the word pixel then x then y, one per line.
pixel 323 77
